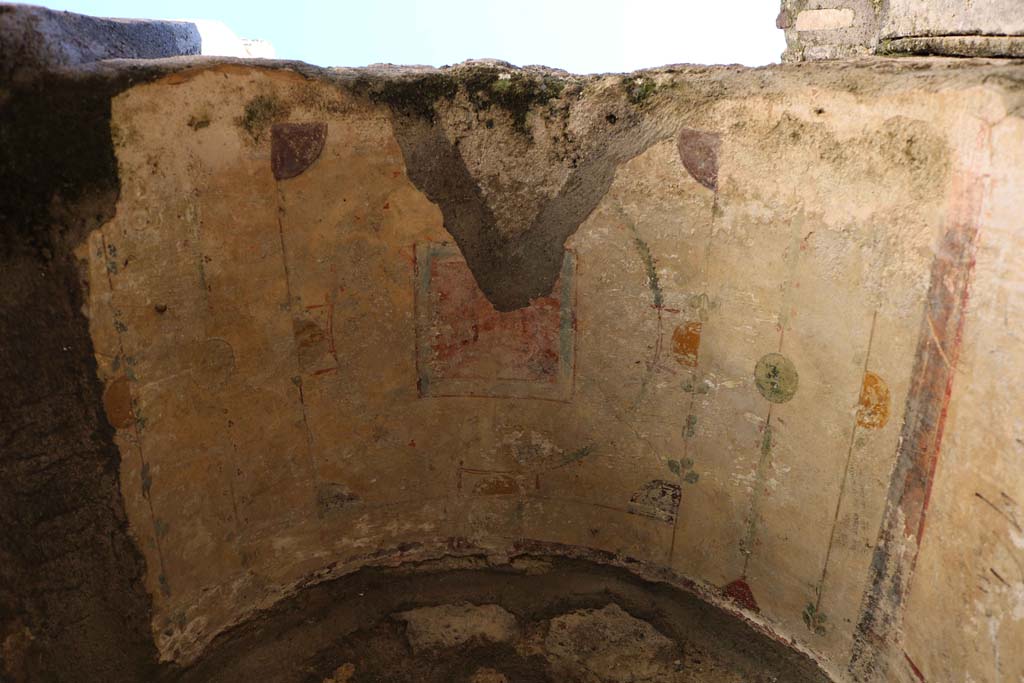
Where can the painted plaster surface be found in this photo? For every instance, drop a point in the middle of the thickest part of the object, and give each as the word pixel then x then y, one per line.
pixel 778 312
pixel 967 591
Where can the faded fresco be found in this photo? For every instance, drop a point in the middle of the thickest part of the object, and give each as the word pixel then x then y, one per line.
pixel 722 338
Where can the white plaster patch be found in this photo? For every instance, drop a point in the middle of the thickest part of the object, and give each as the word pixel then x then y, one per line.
pixel 824 19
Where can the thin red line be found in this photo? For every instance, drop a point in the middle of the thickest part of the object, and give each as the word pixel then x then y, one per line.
pixel 954 357
pixel 913 667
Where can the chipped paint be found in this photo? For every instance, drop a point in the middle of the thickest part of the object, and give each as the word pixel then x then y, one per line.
pixel 658 499
pixel 873 406
pixel 466 347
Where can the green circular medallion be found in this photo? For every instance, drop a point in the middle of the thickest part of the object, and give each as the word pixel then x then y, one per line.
pixel 776 377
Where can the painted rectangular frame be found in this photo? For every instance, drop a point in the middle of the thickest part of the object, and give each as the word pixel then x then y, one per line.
pixel 431 386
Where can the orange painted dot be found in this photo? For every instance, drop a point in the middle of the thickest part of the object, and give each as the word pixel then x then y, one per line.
pixel 686 343
pixel 117 402
pixel 873 408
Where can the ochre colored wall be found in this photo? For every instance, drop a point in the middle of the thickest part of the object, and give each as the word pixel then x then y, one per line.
pixel 790 293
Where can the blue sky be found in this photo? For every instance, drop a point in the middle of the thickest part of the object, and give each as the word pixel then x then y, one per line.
pixel 584 37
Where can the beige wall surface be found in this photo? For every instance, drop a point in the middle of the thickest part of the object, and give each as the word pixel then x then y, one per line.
pixel 782 337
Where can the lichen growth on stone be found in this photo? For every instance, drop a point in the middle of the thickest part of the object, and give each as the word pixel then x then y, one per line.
pixel 260 113
pixel 415 96
pixel 517 92
pixel 638 90
pixel 485 86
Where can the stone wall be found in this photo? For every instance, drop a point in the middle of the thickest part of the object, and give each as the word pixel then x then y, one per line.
pixel 836 29
pixel 736 329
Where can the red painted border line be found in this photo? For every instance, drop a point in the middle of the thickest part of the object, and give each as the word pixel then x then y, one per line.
pixel 913 667
pixel 927 407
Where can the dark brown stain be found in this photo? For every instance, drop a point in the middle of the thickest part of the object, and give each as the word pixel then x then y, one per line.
pixel 332 496
pixel 873 407
pixel 686 343
pixel 739 592
pixel 698 151
pixel 294 147
pixel 117 403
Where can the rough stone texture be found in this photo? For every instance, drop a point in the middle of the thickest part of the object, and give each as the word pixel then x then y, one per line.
pixel 72 604
pixel 956 46
pixel 345 631
pixel 433 628
pixel 35 38
pixel 69 574
pixel 835 29
pixel 904 18
pixel 607 645
pixel 829 29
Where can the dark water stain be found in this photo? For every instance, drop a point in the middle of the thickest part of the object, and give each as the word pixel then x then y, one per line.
pixel 147 479
pixel 332 496
pixel 161 527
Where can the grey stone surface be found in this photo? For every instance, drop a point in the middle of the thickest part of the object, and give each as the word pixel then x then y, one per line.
pixel 917 18
pixel 444 626
pixel 828 29
pixel 837 29
pixel 608 645
pixel 955 46
pixel 34 39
